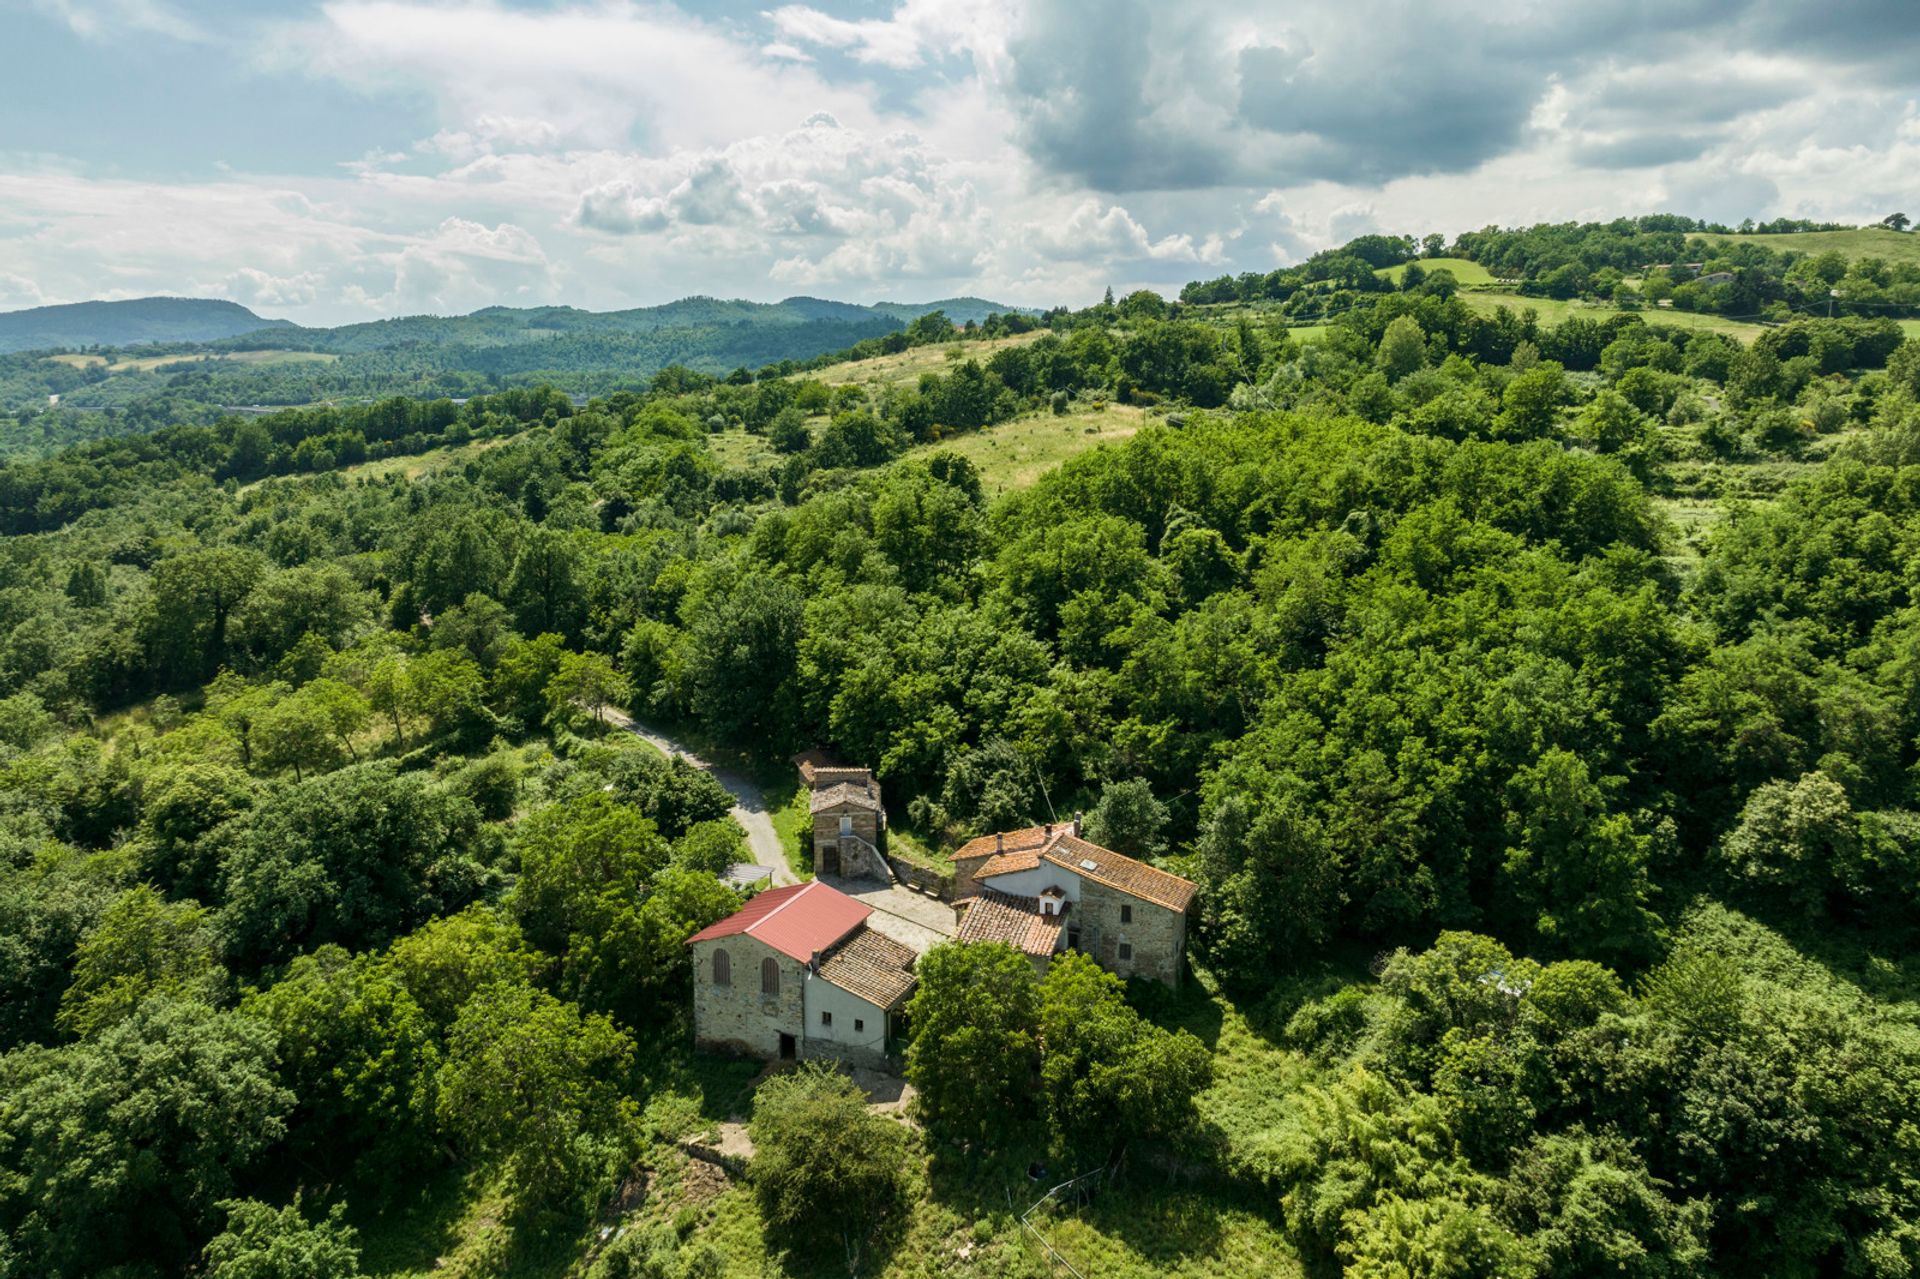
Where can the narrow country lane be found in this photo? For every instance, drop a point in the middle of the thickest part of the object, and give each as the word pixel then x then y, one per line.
pixel 749 801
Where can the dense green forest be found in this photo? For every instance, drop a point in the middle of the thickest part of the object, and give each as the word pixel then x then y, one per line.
pixel 1536 704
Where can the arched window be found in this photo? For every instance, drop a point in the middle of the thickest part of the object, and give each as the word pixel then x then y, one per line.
pixel 769 977
pixel 722 968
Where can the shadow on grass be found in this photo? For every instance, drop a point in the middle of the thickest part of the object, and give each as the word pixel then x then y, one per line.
pixel 408 1228
pixel 722 1085
pixel 1164 1210
pixel 1194 1007
pixel 465 1221
pixel 1167 1224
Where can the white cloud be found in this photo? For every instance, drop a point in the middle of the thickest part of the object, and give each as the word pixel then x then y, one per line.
pixel 465 265
pixel 1093 232
pixel 917 32
pixel 253 287
pixel 18 291
pixel 609 152
pixel 619 207
pixel 114 19
pixel 589 75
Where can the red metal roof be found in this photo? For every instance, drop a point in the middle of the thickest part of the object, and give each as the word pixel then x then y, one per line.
pixel 799 920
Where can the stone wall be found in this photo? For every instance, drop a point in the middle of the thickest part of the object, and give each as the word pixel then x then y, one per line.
pixel 826 836
pixel 930 882
pixel 1158 936
pixel 738 1018
pixel 965 884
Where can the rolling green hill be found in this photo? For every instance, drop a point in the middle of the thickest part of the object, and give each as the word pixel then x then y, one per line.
pixel 583 352
pixel 1862 242
pixel 130 323
pixel 1468 272
pixel 959 310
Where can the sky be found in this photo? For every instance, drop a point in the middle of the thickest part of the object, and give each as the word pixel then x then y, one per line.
pixel 350 159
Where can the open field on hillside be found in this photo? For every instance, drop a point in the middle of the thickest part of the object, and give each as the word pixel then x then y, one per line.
pixel 147 363
pixel 1466 271
pixel 411 465
pixel 905 368
pixel 1015 454
pixel 1011 455
pixel 1867 242
pixel 1552 311
pixel 736 448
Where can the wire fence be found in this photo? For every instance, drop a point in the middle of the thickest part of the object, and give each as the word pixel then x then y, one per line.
pixel 1078 1189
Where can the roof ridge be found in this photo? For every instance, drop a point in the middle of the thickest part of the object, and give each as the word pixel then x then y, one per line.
pixel 800 890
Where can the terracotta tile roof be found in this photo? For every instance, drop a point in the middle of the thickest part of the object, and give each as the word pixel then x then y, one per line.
pixel 1030 839
pixel 1008 863
pixel 811 762
pixel 1120 872
pixel 871 966
pixel 833 776
pixel 1017 921
pixel 799 921
pixel 861 795
pixel 818 769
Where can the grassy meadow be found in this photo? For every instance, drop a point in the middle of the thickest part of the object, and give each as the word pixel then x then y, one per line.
pixel 1862 242
pixel 1466 271
pixel 905 367
pixel 1013 455
pixel 1553 310
pixel 148 363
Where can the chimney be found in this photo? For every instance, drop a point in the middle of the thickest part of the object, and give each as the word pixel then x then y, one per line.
pixel 1076 825
pixel 1049 830
pixel 999 843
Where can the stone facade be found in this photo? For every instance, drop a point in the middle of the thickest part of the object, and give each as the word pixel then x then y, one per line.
pixel 966 882
pixel 1130 916
pixel 1155 938
pixel 846 841
pixel 849 818
pixel 737 1017
pixel 753 994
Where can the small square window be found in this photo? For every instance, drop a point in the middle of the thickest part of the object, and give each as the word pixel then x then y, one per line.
pixel 859 1024
pixel 1126 914
pixel 826 1019
pixel 1126 950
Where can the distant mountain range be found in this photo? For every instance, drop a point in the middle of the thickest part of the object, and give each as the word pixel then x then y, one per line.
pixel 144 321
pixel 132 323
pixel 217 353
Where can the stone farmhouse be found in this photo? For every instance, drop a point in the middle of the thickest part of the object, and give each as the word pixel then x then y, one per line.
pixel 797 973
pixel 1044 889
pixel 848 818
pixel 800 972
